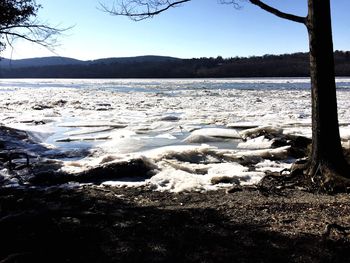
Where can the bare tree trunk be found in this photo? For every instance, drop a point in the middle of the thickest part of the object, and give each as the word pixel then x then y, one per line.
pixel 326 145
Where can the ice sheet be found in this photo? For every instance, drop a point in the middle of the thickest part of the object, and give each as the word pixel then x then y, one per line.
pixel 257 143
pixel 167 121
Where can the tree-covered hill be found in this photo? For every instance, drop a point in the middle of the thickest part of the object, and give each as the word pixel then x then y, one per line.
pixel 286 65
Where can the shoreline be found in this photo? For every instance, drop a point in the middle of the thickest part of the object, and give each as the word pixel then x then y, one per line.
pixel 51 219
pixel 138 225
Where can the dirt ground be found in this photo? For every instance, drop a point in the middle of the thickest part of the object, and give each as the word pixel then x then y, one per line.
pixel 106 224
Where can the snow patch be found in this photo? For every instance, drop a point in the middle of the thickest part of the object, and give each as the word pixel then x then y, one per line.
pixel 256 143
pixel 277 153
pixel 218 132
pixel 272 166
pixel 255 132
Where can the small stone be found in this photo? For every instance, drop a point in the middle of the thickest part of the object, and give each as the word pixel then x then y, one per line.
pixel 234 189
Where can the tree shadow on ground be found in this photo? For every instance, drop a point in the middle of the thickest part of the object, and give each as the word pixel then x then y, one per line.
pixel 61 225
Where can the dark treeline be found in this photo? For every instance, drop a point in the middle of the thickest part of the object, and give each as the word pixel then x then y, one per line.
pixel 287 65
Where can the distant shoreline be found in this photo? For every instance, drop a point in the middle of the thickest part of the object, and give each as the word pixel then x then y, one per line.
pixel 149 67
pixel 170 78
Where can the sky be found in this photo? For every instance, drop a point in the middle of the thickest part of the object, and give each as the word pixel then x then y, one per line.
pixel 200 28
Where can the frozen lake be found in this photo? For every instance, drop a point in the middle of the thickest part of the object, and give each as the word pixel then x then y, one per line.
pixel 159 117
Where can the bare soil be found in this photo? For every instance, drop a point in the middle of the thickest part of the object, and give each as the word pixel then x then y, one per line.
pixel 105 224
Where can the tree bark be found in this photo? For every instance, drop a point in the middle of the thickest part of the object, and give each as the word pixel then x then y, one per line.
pixel 326 145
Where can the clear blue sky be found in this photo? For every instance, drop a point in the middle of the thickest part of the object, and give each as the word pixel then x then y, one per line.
pixel 200 28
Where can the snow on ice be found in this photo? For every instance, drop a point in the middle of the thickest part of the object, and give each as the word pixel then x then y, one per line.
pixel 194 132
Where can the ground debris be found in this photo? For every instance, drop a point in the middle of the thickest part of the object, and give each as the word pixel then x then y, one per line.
pixel 138 225
pixel 343 230
pixel 276 183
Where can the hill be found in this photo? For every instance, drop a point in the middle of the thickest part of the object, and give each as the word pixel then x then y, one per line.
pixel 286 65
pixel 38 62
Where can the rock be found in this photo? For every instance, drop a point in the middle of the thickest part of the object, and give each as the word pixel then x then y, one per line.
pixel 41 107
pixel 242 125
pixel 170 118
pixel 299 146
pixel 234 189
pixel 59 103
pixel 225 180
pixel 137 168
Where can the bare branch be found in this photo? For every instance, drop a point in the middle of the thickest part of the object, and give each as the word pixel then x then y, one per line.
pixel 232 2
pixel 18 22
pixel 140 9
pixel 41 34
pixel 278 13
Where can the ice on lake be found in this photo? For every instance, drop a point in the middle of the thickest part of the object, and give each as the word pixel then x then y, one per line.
pixel 190 129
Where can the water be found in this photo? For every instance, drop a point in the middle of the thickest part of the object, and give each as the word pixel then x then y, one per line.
pixel 156 112
pixel 160 85
pixel 161 119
